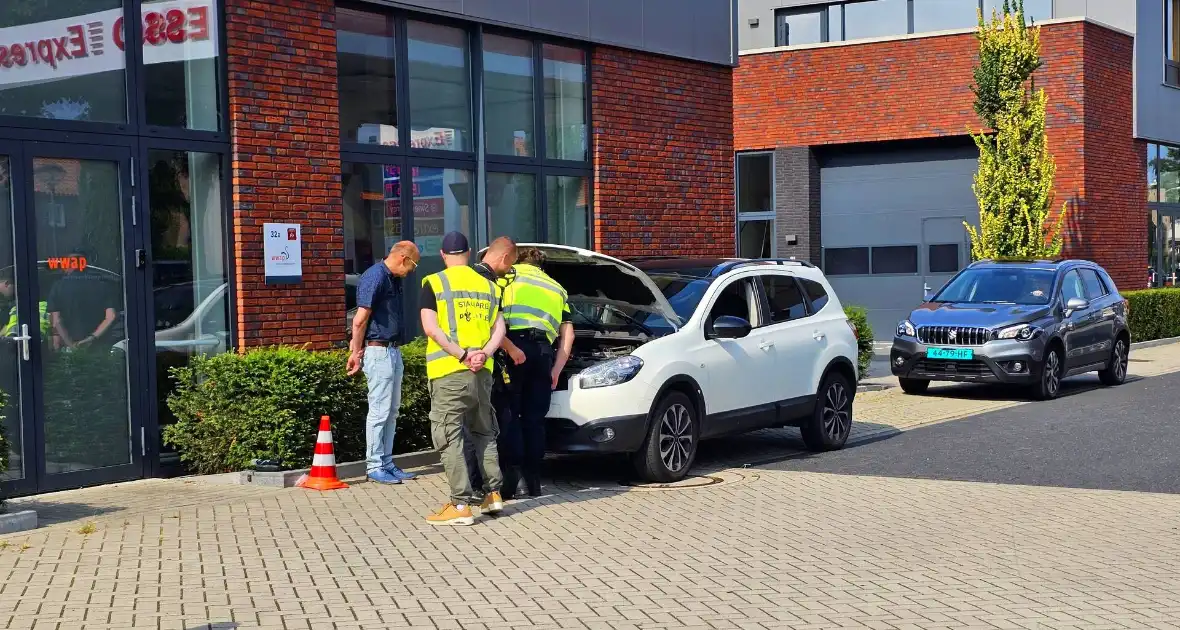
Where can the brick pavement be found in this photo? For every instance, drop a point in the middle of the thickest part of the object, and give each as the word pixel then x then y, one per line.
pixel 760 549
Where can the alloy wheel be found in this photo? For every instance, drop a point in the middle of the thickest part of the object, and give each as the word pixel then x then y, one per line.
pixel 676 438
pixel 837 416
pixel 1052 373
pixel 1120 360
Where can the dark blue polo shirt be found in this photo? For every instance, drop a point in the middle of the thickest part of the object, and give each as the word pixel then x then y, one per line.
pixel 381 291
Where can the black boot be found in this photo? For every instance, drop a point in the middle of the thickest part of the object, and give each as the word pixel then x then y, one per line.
pixel 533 482
pixel 511 483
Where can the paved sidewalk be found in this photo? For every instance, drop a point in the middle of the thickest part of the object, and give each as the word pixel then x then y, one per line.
pixel 757 548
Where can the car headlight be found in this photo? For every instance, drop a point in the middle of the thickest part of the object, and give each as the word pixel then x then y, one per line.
pixel 1019 332
pixel 906 329
pixel 613 372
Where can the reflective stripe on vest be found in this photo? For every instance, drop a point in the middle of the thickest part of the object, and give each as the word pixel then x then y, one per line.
pixel 534 301
pixel 467 306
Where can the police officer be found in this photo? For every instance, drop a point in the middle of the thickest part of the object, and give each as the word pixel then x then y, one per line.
pixel 461 318
pixel 537 313
pixel 496 266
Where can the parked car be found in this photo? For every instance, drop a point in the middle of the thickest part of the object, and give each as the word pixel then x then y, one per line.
pixel 1024 322
pixel 672 351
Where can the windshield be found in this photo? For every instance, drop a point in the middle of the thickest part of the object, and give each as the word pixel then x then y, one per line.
pixel 682 290
pixel 999 285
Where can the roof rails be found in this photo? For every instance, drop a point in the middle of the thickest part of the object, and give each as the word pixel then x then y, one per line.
pixel 735 264
pixel 1023 260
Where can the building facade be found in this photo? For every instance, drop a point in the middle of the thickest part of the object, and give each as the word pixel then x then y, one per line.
pixel 158 184
pixel 852 123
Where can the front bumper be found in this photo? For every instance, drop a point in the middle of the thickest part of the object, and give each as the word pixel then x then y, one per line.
pixel 993 362
pixel 622 434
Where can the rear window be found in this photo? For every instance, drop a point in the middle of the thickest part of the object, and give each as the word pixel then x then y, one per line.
pixel 815 294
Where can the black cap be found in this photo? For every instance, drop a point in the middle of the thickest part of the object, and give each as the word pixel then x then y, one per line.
pixel 455 243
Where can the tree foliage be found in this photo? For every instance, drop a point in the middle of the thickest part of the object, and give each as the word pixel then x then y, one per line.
pixel 1014 183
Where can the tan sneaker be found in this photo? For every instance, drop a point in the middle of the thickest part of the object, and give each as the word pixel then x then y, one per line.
pixel 451 515
pixel 492 504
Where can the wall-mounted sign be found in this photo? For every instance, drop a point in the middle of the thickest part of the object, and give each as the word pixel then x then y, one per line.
pixel 282 247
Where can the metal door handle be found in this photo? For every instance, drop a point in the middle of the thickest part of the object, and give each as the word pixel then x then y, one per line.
pixel 766 345
pixel 817 335
pixel 24 341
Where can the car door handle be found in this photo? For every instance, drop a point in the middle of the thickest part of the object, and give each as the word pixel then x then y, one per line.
pixel 817 335
pixel 766 345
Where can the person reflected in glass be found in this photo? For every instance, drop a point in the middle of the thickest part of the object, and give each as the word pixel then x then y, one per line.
pixel 82 305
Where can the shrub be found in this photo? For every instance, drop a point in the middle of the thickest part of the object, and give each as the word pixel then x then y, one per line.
pixel 266 404
pixel 1154 314
pixel 864 338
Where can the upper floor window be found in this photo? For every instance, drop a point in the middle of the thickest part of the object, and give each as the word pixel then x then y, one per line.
pixel 876 18
pixel 793 27
pixel 1172 42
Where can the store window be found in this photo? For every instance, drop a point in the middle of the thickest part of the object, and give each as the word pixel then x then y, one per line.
pixel 365 62
pixel 568 210
pixel 794 27
pixel 443 202
pixel 1172 42
pixel 180 50
pixel 508 95
pixel 36 82
pixel 512 206
pixel 440 87
pixel 190 294
pixel 565 102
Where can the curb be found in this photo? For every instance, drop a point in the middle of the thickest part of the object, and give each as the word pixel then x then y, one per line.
pixel 346 470
pixel 18 521
pixel 1155 342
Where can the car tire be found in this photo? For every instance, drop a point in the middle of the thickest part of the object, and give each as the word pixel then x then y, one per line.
pixel 1049 375
pixel 671 445
pixel 914 386
pixel 1116 371
pixel 830 424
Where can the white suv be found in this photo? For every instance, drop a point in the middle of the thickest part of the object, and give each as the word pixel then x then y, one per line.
pixel 672 351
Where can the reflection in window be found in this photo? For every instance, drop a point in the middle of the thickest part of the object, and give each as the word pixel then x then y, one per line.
pixel 440 87
pixel 372 224
pixel 442 202
pixel 190 296
pixel 365 53
pixel 801 26
pixel 944 15
pixel 508 95
pixel 877 18
pixel 1034 10
pixel 568 210
pixel 755 177
pixel 1153 177
pixel 91 88
pixel 565 102
pixel 1168 168
pixel 512 206
pixel 754 238
pixel 180 64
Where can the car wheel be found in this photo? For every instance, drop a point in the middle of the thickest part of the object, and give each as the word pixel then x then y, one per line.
pixel 831 423
pixel 671 445
pixel 1116 371
pixel 914 385
pixel 1048 385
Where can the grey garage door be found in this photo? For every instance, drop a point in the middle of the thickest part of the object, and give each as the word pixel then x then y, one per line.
pixel 891 224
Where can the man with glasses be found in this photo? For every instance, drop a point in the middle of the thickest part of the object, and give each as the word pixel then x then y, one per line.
pixel 376 335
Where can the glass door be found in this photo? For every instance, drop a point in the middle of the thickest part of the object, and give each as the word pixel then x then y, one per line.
pixel 16 377
pixel 69 270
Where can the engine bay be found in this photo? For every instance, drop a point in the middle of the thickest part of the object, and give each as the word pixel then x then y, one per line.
pixel 592 349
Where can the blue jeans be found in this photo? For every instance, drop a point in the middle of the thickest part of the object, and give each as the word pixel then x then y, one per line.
pixel 383 371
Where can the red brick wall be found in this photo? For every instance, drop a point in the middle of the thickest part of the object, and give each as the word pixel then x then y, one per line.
pixel 663 155
pixel 921 88
pixel 286 165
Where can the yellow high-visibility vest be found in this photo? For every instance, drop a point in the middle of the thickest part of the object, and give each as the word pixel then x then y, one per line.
pixel 467 307
pixel 534 301
pixel 10 327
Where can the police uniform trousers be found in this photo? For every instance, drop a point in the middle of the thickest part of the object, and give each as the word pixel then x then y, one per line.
pixel 522 431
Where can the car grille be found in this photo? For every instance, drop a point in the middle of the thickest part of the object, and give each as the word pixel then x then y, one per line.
pixel 974 367
pixel 954 335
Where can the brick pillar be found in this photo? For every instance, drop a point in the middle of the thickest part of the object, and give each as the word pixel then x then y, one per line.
pixel 286 166
pixel 796 203
pixel 663 155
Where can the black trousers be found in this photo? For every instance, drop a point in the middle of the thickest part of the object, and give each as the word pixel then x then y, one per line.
pixel 522 432
pixel 501 406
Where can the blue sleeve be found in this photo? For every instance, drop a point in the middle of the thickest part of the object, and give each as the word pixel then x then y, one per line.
pixel 366 290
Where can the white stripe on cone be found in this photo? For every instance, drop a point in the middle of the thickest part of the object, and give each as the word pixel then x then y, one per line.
pixel 320 459
pixel 325 437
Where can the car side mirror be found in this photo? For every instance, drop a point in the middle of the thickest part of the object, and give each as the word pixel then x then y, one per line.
pixel 1075 304
pixel 730 327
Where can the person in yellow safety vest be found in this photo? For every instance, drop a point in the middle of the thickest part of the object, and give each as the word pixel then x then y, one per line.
pixel 536 310
pixel 10 327
pixel 461 318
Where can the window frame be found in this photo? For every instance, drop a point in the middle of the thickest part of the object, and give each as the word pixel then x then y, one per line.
pixel 1171 76
pixel 769 214
pixel 824 26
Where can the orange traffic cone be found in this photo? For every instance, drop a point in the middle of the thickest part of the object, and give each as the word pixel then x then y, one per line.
pixel 323 463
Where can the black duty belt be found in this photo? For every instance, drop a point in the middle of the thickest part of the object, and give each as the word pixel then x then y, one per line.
pixel 529 334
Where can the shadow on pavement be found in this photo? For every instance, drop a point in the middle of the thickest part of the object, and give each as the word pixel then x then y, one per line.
pixel 54 512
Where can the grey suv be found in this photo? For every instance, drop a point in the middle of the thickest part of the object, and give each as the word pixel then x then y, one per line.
pixel 1029 322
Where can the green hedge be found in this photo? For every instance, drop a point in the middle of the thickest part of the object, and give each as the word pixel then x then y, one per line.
pixel 864 338
pixel 266 404
pixel 1155 314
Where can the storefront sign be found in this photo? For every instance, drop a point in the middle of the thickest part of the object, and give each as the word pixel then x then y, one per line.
pixel 176 30
pixel 282 247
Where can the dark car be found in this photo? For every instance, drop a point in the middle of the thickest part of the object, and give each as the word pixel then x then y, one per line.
pixel 1028 323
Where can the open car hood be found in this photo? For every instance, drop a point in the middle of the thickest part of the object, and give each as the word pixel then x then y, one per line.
pixel 595 278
